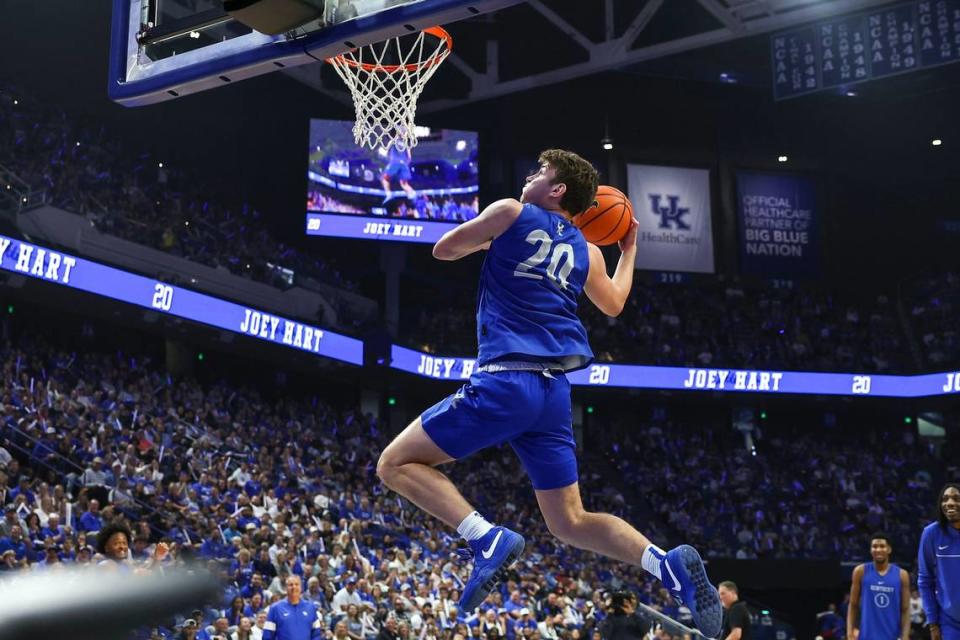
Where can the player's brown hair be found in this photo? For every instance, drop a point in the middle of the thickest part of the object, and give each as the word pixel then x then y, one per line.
pixel 579 176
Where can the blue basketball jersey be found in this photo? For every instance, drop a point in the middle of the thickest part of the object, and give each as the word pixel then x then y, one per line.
pixel 396 155
pixel 531 280
pixel 880 604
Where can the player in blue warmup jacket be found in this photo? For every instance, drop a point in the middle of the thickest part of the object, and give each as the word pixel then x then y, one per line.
pixel 530 336
pixel 879 597
pixel 938 578
pixel 293 618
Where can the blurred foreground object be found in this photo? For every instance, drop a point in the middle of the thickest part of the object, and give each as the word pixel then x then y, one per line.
pixel 96 603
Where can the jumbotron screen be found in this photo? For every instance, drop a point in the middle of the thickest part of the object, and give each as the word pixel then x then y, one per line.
pixel 412 195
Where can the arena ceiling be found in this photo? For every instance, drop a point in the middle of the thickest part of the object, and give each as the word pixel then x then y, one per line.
pixel 543 42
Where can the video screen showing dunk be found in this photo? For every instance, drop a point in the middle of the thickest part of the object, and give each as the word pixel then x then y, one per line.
pixel 412 195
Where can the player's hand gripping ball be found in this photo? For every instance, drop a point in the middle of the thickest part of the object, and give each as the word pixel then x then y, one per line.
pixel 608 219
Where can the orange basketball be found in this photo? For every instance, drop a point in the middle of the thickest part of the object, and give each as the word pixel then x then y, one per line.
pixel 608 219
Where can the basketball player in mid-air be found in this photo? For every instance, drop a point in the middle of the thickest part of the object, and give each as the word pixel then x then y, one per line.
pixel 879 597
pixel 529 335
pixel 398 168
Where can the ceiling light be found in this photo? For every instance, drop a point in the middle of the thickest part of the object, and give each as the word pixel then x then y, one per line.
pixel 782 158
pixel 606 141
pixel 937 142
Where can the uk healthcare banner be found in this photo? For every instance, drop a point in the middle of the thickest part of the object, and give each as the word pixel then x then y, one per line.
pixel 672 205
pixel 778 224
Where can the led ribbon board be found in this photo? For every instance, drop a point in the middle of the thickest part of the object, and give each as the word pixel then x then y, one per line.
pixel 402 230
pixel 698 379
pixel 38 262
pixel 60 268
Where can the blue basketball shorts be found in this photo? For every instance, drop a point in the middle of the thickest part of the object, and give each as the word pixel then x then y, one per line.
pixel 398 171
pixel 529 409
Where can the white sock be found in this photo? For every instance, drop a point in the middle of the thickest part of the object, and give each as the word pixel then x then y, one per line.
pixel 474 527
pixel 652 557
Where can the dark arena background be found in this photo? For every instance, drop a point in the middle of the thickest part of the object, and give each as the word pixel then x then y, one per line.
pixel 193 349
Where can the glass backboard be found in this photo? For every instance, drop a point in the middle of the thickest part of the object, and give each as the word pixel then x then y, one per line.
pixel 165 49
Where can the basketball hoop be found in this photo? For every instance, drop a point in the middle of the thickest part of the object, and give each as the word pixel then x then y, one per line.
pixel 385 80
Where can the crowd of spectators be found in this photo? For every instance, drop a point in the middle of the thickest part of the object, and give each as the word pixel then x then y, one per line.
pixel 449 331
pixel 934 303
pixel 262 489
pixel 759 327
pixel 714 324
pixel 83 167
pixel 731 500
pixel 443 208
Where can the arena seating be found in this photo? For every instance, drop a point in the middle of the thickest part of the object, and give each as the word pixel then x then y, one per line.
pixel 225 474
pixel 934 300
pixel 260 487
pixel 83 167
pixel 717 324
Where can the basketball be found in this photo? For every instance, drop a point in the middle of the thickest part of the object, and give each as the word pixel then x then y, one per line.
pixel 608 219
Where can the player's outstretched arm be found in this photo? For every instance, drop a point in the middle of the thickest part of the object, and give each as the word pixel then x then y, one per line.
pixel 610 294
pixel 477 234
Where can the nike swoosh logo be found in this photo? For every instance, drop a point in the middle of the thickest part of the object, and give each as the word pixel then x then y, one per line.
pixel 486 553
pixel 946 546
pixel 676 583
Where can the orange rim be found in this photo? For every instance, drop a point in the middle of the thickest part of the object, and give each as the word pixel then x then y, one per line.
pixel 437 32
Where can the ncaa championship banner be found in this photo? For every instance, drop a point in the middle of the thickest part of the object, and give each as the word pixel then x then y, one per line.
pixel 778 232
pixel 672 205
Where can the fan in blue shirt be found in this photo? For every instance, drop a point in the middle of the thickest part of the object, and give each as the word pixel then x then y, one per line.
pixel 293 618
pixel 53 529
pixel 17 543
pixel 938 578
pixel 90 521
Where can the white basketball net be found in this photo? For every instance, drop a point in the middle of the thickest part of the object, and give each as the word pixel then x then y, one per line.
pixel 385 81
